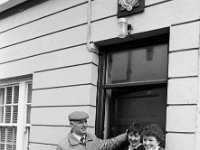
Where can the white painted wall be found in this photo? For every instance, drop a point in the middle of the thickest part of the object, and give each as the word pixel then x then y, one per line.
pixel 183 88
pixel 49 41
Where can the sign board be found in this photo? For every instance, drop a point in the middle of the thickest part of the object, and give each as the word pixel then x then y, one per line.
pixel 129 7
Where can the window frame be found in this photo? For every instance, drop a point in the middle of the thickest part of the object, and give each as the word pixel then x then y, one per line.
pixel 23 129
pixel 139 41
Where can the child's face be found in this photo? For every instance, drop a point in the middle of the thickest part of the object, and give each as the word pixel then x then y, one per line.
pixel 150 142
pixel 134 139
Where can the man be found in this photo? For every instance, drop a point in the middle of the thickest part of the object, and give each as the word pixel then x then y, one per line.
pixel 80 139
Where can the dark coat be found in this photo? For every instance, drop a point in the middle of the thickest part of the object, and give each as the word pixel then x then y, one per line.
pixel 161 148
pixel 141 147
pixel 92 143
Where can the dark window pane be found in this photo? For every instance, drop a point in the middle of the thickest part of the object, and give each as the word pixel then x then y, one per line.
pixel 8 114
pixel 141 64
pixel 2 147
pixel 8 138
pixel 1 103
pixel 9 95
pixel 15 114
pixel 1 114
pixel 2 135
pixel 29 93
pixel 28 108
pixel 2 96
pixel 16 94
pixel 9 147
pixel 28 114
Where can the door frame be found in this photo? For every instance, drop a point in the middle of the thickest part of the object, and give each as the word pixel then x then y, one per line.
pixel 102 87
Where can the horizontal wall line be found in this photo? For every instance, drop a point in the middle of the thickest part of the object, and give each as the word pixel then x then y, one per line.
pixel 53 51
pixel 183 50
pixel 50 106
pixel 158 3
pixel 69 27
pixel 181 105
pixel 43 143
pixel 48 125
pixel 16 79
pixel 57 12
pixel 57 87
pixel 186 22
pixel 183 77
pixel 43 17
pixel 18 8
pixel 180 132
pixel 103 18
pixel 47 34
pixel 115 15
pixel 70 66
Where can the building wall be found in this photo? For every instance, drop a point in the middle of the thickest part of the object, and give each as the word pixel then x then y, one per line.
pixel 183 85
pixel 49 41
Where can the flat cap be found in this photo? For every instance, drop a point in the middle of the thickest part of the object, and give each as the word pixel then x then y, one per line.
pixel 78 115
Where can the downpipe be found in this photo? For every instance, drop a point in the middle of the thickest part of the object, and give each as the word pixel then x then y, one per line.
pixel 90 44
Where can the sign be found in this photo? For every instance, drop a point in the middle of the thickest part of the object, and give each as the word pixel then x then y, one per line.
pixel 129 7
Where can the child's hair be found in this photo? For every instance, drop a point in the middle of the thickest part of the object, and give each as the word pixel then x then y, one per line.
pixel 155 131
pixel 135 128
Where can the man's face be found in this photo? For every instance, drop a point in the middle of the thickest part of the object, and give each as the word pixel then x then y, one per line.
pixel 150 142
pixel 134 139
pixel 79 127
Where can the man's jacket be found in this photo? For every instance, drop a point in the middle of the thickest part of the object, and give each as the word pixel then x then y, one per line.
pixel 92 143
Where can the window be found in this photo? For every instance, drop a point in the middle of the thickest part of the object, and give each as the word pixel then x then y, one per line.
pixel 137 64
pixel 15 104
pixel 132 85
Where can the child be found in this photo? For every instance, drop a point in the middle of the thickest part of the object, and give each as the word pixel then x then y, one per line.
pixel 153 137
pixel 134 137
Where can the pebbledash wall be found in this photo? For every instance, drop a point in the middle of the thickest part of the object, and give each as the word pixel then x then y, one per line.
pixel 48 41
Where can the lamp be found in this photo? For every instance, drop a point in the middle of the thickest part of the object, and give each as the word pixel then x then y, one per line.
pixel 124 28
